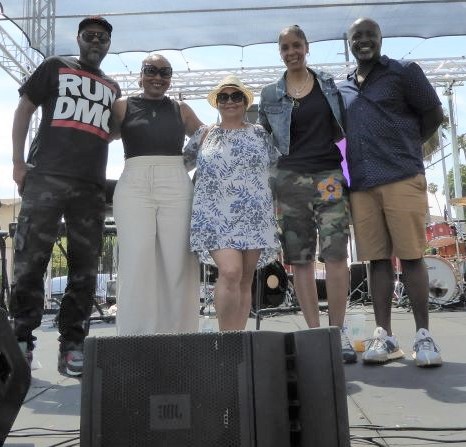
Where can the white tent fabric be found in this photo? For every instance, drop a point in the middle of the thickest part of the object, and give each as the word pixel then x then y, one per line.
pixel 147 25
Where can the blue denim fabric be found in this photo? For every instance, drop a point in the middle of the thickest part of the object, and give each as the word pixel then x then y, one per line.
pixel 275 109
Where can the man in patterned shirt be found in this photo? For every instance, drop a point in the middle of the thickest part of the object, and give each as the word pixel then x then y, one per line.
pixel 391 109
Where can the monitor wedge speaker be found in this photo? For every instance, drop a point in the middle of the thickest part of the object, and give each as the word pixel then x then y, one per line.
pixel 229 389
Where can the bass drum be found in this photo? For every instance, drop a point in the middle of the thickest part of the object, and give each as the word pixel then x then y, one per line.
pixel 443 280
pixel 273 279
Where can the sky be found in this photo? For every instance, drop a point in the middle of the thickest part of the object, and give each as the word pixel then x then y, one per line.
pixel 252 56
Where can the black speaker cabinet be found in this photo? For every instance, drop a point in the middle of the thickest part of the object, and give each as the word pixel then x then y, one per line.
pixel 230 389
pixel 15 377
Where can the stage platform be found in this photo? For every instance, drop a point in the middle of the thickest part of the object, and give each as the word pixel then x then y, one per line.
pixel 397 404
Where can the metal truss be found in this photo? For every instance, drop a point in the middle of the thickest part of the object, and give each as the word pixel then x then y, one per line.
pixel 196 84
pixel 40 27
pixel 19 62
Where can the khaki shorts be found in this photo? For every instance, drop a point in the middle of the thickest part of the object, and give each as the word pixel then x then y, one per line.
pixel 390 220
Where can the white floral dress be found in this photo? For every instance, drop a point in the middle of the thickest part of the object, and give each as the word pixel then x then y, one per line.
pixel 232 205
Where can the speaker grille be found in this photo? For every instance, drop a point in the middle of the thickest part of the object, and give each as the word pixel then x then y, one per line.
pixel 166 399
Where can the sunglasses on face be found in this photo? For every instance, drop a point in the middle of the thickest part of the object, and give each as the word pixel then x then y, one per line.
pixel 222 98
pixel 151 70
pixel 89 36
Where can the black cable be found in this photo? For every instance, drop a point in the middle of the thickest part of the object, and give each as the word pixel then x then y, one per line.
pixel 41 435
pixel 371 439
pixel 366 440
pixel 418 438
pixel 405 428
pixel 65 442
pixel 53 430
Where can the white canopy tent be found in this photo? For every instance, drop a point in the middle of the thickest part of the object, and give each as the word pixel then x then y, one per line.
pixel 146 25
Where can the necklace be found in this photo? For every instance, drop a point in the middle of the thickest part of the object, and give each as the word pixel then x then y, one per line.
pixel 153 105
pixel 296 92
pixel 294 101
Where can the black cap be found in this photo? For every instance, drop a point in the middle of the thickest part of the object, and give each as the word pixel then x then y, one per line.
pixel 95 20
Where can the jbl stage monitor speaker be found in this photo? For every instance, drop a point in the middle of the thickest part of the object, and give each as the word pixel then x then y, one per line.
pixel 226 389
pixel 15 377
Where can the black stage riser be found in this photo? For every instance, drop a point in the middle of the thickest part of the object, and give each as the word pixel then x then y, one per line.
pixel 233 389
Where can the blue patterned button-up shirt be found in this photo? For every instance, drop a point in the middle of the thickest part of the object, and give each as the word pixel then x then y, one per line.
pixel 383 122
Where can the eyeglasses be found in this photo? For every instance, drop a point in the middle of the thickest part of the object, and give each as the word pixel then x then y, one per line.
pixel 151 70
pixel 89 36
pixel 222 98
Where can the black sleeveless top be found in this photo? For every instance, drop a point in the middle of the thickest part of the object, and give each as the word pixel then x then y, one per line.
pixel 152 127
pixel 312 148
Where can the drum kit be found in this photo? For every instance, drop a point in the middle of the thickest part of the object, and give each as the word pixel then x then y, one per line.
pixel 272 291
pixel 446 264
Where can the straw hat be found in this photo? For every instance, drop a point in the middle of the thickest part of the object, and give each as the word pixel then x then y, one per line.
pixel 230 81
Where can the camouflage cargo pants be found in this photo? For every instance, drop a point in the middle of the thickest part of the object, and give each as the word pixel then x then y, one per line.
pixel 46 199
pixel 311 206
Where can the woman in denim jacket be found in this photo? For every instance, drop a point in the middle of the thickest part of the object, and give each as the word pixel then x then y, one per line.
pixel 302 112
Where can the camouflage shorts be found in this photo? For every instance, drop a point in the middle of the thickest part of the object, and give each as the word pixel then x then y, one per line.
pixel 310 205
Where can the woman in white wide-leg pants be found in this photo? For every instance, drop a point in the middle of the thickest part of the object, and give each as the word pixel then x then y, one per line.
pixel 158 277
pixel 158 282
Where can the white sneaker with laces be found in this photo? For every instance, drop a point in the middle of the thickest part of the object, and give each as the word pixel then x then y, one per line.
pixel 425 351
pixel 381 348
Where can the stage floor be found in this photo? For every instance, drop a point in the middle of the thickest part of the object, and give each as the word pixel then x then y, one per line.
pixel 420 404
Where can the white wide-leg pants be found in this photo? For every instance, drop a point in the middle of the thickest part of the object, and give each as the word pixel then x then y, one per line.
pixel 158 282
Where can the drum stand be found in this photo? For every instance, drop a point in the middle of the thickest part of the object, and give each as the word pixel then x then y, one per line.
pixel 460 263
pixel 363 288
pixel 208 295
pixel 102 315
pixel 258 312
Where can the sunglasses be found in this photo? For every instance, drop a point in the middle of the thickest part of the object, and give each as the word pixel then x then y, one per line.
pixel 151 70
pixel 222 98
pixel 89 36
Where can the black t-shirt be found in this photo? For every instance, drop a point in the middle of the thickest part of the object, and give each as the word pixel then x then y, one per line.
pixel 76 102
pixel 152 127
pixel 312 148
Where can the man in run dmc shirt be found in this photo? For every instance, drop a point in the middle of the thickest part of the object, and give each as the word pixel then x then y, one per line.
pixel 63 178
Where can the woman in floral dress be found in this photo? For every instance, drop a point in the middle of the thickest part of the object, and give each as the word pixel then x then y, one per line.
pixel 233 222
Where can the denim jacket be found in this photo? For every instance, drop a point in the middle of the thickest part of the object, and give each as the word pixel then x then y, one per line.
pixel 275 109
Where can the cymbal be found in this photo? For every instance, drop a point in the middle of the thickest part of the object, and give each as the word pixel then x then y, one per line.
pixel 458 201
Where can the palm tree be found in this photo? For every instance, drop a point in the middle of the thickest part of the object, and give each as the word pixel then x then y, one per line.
pixel 450 181
pixel 433 188
pixel 462 143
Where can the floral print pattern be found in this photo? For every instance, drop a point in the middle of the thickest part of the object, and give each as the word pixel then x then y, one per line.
pixel 330 189
pixel 232 205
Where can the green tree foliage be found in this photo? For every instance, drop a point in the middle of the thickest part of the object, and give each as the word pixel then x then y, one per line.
pixel 59 263
pixel 106 261
pixel 451 185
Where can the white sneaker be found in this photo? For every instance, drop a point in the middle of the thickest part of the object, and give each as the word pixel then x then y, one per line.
pixel 425 351
pixel 381 348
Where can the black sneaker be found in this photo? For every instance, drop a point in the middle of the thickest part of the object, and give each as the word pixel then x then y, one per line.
pixel 348 353
pixel 70 363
